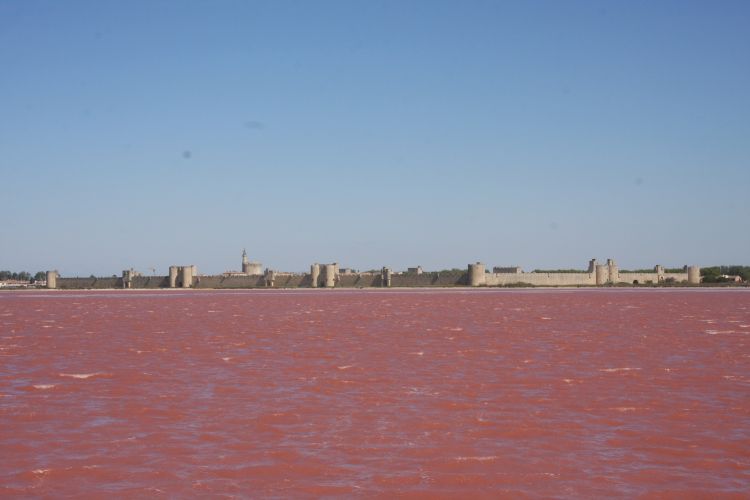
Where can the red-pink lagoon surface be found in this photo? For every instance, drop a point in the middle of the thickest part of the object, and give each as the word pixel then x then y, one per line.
pixel 341 393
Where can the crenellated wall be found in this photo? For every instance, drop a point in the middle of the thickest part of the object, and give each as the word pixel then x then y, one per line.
pixel 150 282
pixel 84 283
pixel 648 278
pixel 229 282
pixel 328 276
pixel 540 279
pixel 427 279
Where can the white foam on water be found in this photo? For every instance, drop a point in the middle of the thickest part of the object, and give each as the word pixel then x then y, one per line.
pixel 345 367
pixel 44 386
pixel 419 353
pixel 719 332
pixel 487 458
pixel 80 375
pixel 625 369
pixel 226 359
pixel 544 317
pixel 40 472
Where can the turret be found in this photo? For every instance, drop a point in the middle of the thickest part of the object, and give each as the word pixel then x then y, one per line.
pixel 187 276
pixel 476 274
pixel 386 275
pixel 330 275
pixel 127 278
pixel 694 275
pixel 659 270
pixel 245 262
pixel 602 274
pixel 314 275
pixel 614 272
pixel 592 266
pixel 173 276
pixel 52 279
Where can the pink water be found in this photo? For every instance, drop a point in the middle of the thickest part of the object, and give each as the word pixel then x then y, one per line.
pixel 318 393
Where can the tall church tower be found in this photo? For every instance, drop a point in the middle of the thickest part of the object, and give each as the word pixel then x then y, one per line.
pixel 245 262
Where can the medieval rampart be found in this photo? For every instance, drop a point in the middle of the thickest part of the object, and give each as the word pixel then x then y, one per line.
pixel 329 276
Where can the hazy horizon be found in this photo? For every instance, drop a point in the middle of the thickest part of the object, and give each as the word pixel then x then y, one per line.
pixel 149 134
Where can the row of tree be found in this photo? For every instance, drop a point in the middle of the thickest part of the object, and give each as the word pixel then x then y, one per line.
pixel 714 274
pixel 23 276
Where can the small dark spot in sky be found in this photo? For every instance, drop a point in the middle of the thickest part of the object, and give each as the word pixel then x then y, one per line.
pixel 553 226
pixel 639 181
pixel 187 154
pixel 254 125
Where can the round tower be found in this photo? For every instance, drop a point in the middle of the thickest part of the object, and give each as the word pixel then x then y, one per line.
pixel 386 276
pixel 330 275
pixel 314 275
pixel 187 276
pixel 127 278
pixel 602 274
pixel 51 279
pixel 614 272
pixel 592 266
pixel 172 276
pixel 476 274
pixel 245 262
pixel 694 275
pixel 270 278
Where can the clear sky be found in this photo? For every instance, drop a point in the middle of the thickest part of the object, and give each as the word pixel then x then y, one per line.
pixel 145 133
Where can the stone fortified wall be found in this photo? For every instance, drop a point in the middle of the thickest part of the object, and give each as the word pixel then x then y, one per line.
pixel 328 276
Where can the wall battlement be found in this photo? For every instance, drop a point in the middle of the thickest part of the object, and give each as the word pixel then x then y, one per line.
pixel 330 276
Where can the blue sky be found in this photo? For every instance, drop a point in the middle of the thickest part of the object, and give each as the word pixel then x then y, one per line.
pixel 540 134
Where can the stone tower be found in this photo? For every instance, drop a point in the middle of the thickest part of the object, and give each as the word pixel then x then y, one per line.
pixel 245 262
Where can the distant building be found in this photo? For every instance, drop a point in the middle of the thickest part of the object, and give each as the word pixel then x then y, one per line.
pixel 15 284
pixel 731 278
pixel 249 268
pixel 507 270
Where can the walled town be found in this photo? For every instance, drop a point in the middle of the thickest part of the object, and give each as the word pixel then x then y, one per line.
pixel 331 275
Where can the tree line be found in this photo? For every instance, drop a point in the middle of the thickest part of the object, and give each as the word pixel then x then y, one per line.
pixel 713 274
pixel 23 276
